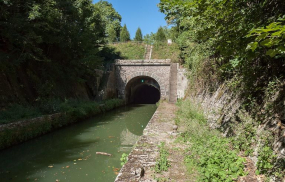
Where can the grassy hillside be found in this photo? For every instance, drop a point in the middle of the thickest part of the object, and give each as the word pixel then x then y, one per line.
pixel 164 51
pixel 133 50
pixel 129 50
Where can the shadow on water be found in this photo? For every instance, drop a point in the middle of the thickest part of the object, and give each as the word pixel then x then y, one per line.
pixel 69 154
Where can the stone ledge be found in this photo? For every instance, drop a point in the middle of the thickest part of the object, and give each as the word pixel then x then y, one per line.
pixel 143 61
pixel 143 157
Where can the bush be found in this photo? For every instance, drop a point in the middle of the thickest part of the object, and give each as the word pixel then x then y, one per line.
pixel 211 154
pixel 18 112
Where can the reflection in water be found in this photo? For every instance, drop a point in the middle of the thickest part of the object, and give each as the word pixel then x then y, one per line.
pixel 128 139
pixel 69 154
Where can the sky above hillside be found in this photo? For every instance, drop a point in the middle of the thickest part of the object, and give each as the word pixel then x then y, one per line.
pixel 139 13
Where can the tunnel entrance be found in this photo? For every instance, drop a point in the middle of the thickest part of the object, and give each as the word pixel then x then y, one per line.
pixel 142 90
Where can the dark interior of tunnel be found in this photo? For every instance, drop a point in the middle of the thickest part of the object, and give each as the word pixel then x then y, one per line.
pixel 142 90
pixel 146 94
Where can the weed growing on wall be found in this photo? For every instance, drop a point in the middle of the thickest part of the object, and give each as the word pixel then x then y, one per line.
pixel 124 159
pixel 245 138
pixel 267 162
pixel 162 164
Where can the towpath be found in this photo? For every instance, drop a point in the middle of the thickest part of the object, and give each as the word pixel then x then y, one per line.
pixel 142 159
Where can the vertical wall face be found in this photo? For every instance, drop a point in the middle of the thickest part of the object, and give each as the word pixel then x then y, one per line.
pixel 159 70
pixel 173 83
pixel 182 83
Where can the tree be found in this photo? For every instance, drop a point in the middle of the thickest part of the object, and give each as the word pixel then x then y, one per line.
pixel 138 36
pixel 112 35
pixel 49 40
pixel 149 38
pixel 111 20
pixel 124 35
pixel 238 40
pixel 160 35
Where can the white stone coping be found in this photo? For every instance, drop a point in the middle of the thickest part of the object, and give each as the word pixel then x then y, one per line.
pixel 142 61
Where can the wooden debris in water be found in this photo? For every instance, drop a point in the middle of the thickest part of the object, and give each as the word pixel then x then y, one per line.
pixel 103 153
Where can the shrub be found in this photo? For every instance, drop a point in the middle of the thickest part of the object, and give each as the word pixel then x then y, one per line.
pixel 210 153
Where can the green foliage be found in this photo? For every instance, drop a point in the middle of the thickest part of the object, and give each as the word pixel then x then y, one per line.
pixel 238 42
pixel 164 51
pixel 17 112
pixel 266 159
pixel 112 35
pixel 160 35
pixel 160 179
pixel 111 20
pixel 138 36
pixel 245 139
pixel 215 162
pixel 129 50
pixel 124 159
pixel 76 107
pixel 216 36
pixel 48 48
pixel 70 111
pixel 271 38
pixel 162 164
pixel 124 35
pixel 149 38
pixel 210 154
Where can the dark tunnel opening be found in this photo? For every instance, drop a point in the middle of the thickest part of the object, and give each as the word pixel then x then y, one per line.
pixel 146 94
pixel 142 90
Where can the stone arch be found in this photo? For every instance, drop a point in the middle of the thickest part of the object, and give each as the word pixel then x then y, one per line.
pixel 151 75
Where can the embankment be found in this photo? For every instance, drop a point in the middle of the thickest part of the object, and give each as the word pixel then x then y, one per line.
pixel 18 132
pixel 259 132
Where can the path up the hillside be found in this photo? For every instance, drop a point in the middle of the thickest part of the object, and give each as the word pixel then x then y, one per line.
pixel 148 52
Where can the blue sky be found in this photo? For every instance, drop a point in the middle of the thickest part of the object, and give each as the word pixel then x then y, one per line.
pixel 139 13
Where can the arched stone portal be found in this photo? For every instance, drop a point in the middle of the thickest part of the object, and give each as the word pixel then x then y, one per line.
pixel 162 72
pixel 142 90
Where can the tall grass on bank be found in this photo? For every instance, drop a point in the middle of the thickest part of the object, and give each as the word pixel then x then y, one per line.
pixel 210 156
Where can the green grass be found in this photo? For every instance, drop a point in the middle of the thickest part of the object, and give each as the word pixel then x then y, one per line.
pixel 71 111
pixel 130 50
pixel 162 163
pixel 210 156
pixel 164 51
pixel 16 112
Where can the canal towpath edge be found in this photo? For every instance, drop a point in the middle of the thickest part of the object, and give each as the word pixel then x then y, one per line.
pixel 143 157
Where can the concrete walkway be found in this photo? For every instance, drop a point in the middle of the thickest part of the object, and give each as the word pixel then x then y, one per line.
pixel 143 157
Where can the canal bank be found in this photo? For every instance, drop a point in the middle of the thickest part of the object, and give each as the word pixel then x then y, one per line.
pixel 142 159
pixel 21 131
pixel 69 154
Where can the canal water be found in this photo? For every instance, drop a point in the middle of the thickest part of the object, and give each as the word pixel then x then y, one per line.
pixel 69 154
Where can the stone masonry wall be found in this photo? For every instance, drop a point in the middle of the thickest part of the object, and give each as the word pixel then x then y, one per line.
pixel 156 69
pixel 182 82
pixel 224 110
